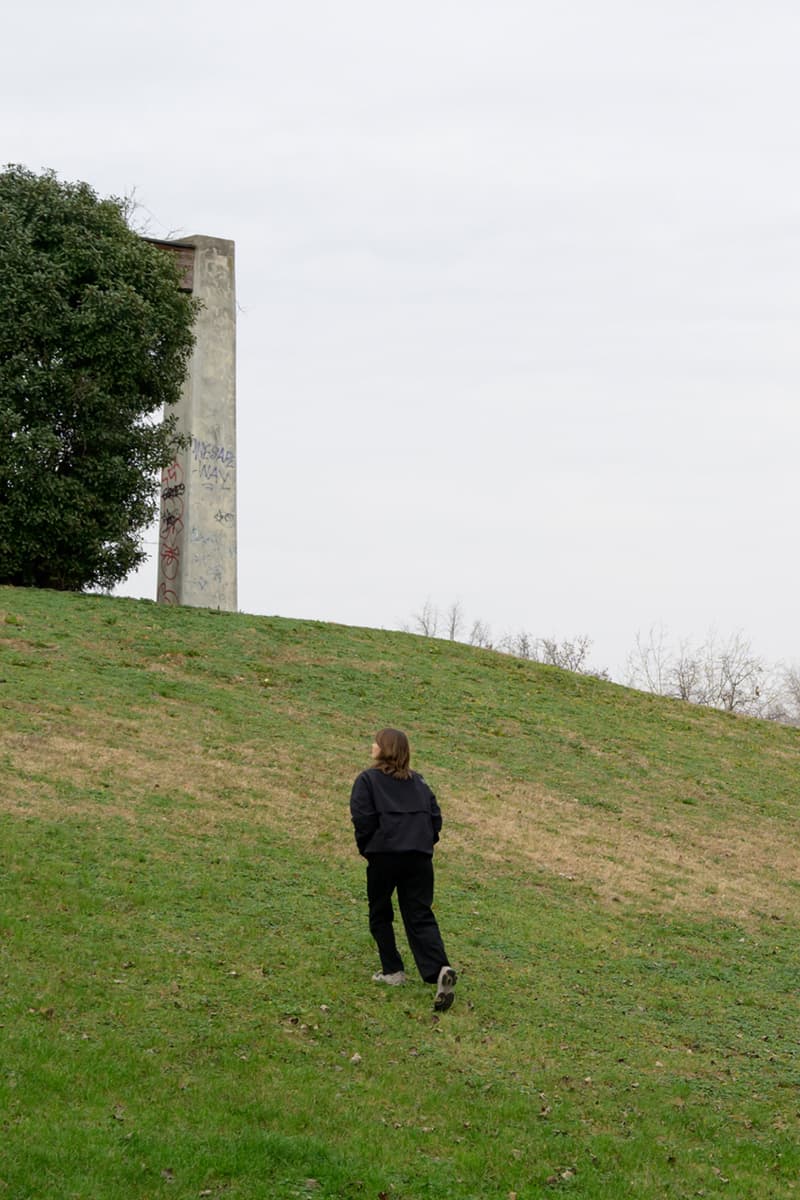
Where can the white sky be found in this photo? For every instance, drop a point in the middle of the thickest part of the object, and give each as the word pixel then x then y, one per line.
pixel 519 289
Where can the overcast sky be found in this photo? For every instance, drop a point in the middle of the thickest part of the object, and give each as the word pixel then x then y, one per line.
pixel 519 289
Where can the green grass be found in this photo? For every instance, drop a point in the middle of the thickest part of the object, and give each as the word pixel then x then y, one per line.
pixel 184 960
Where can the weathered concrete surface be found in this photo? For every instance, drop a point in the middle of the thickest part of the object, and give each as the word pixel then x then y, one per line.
pixel 197 536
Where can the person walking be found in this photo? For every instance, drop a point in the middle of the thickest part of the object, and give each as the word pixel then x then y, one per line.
pixel 396 821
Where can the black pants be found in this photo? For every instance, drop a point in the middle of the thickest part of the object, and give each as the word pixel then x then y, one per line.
pixel 412 875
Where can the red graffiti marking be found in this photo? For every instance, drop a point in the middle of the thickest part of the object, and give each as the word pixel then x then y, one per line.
pixel 171 531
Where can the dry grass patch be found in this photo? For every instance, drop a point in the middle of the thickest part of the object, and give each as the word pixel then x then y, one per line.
pixel 121 767
pixel 739 873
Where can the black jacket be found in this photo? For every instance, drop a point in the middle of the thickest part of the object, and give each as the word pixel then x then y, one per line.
pixel 394 815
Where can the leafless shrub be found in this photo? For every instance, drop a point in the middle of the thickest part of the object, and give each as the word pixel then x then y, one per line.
pixel 426 621
pixel 731 675
pixel 519 645
pixel 481 635
pixel 570 654
pixel 721 673
pixel 454 620
pixel 649 663
pixel 791 683
pixel 685 675
pixel 780 696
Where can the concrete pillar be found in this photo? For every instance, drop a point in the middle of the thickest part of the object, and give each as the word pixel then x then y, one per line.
pixel 197 536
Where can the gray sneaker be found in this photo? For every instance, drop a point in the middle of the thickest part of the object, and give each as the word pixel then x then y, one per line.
pixel 444 989
pixel 394 979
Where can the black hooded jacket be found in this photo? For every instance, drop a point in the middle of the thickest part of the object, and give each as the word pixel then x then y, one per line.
pixel 394 815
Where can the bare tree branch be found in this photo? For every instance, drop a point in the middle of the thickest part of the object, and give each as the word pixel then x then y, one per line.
pixel 648 662
pixel 454 618
pixel 481 635
pixel 570 653
pixel 427 619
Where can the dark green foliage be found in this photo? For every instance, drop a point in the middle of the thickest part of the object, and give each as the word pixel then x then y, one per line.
pixel 95 337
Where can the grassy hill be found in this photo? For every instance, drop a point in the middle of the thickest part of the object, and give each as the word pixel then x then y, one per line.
pixel 185 996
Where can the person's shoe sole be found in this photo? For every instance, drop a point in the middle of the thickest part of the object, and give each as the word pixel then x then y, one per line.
pixel 444 989
pixel 394 980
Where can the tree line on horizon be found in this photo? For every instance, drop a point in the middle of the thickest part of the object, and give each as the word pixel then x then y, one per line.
pixel 722 672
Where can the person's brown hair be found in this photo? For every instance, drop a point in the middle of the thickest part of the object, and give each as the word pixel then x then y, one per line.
pixel 395 753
